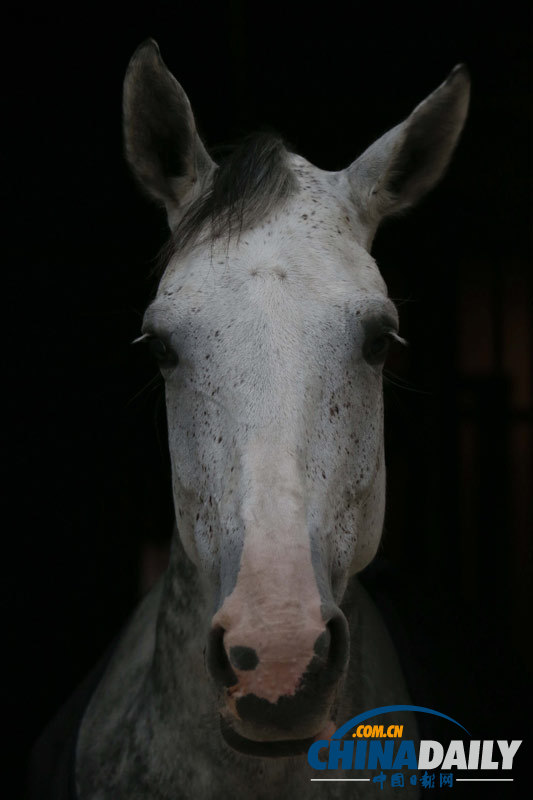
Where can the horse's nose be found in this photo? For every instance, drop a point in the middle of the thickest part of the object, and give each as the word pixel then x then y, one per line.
pixel 217 659
pixel 273 679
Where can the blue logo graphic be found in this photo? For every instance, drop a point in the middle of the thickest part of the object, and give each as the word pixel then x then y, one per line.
pixel 343 730
pixel 382 747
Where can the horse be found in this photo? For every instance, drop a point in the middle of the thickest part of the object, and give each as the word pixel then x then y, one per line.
pixel 270 325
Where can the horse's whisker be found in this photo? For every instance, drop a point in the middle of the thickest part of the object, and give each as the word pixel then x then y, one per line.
pixel 152 384
pixel 399 383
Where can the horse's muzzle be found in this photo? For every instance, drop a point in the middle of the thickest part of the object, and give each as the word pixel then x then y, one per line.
pixel 282 692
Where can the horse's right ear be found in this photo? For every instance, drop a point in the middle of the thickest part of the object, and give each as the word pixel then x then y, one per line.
pixel 162 145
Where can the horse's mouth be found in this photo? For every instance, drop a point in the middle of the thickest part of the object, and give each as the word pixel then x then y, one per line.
pixel 283 748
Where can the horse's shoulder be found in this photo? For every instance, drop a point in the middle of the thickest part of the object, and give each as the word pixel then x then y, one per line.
pixel 109 708
pixel 52 759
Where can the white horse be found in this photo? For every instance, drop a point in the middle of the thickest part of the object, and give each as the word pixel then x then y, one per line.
pixel 271 325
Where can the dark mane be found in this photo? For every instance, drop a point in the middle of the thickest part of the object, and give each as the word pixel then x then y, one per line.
pixel 252 180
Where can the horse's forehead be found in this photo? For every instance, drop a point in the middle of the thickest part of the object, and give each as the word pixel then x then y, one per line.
pixel 311 244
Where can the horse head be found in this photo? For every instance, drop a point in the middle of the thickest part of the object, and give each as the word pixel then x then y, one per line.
pixel 271 325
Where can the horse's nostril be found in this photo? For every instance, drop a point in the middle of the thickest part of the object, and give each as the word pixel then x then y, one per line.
pixel 244 658
pixel 339 644
pixel 217 660
pixel 332 646
pixel 322 645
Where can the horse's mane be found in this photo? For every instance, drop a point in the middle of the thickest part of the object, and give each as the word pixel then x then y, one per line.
pixel 252 180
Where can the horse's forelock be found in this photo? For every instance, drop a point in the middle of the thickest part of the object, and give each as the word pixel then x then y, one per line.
pixel 253 179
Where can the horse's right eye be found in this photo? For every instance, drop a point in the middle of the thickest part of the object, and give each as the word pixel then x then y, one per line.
pixel 162 352
pixel 158 349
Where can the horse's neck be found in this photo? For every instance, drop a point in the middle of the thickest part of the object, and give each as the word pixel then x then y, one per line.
pixel 181 628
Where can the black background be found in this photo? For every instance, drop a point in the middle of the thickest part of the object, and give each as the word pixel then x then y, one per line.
pixel 86 482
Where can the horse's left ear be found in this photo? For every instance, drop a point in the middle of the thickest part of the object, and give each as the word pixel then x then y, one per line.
pixel 162 145
pixel 407 161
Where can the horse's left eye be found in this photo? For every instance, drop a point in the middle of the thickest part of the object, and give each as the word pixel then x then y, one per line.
pixel 375 349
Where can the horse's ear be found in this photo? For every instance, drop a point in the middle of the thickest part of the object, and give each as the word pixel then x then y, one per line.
pixel 407 161
pixel 162 145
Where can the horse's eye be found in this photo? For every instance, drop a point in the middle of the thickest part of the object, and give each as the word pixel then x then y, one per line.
pixel 375 349
pixel 162 352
